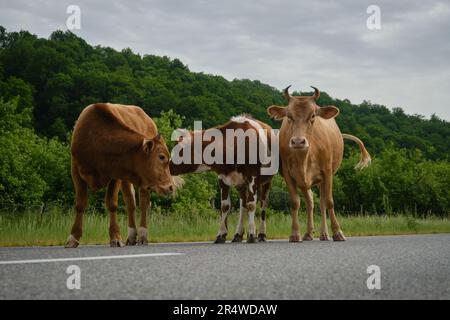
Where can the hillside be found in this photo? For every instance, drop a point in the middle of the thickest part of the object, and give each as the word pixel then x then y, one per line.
pixel 63 74
pixel 45 83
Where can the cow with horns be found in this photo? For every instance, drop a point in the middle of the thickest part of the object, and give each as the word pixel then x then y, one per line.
pixel 311 151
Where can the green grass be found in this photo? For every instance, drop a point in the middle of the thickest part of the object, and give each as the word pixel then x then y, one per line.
pixel 52 228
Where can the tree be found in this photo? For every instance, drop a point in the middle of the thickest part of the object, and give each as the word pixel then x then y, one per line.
pixel 32 169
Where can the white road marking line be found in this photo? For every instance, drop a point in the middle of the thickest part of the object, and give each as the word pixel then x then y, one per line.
pixel 91 258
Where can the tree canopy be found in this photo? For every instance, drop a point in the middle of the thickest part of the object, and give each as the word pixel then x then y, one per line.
pixel 63 74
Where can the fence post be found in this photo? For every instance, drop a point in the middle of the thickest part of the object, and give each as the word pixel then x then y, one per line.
pixel 41 213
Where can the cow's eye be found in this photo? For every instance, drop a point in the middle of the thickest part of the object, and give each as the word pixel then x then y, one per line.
pixel 162 157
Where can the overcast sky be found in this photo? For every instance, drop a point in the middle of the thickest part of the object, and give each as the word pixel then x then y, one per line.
pixel 322 43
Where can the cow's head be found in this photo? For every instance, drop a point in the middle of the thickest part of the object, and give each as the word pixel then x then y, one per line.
pixel 299 117
pixel 153 166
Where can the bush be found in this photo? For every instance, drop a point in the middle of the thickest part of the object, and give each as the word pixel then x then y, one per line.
pixel 397 181
pixel 32 169
pixel 196 198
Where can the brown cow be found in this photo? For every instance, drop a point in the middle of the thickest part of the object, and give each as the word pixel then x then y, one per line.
pixel 311 151
pixel 117 146
pixel 246 177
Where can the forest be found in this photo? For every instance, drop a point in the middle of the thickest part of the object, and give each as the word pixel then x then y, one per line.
pixel 45 83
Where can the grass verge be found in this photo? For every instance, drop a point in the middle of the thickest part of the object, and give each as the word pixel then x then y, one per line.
pixel 52 228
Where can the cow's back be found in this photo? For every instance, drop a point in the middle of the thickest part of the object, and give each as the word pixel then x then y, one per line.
pixel 135 118
pixel 246 122
pixel 103 135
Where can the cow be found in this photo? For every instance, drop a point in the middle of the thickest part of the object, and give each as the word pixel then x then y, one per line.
pixel 311 151
pixel 247 177
pixel 118 147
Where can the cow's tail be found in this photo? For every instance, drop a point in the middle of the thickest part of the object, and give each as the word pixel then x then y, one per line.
pixel 365 159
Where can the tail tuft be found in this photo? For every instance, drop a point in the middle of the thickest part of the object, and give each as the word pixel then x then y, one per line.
pixel 178 183
pixel 365 159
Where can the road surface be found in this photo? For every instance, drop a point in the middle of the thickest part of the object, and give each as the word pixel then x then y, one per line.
pixel 411 267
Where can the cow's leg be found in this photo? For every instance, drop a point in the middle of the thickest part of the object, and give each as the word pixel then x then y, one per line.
pixel 251 209
pixel 295 206
pixel 112 203
pixel 264 198
pixel 338 235
pixel 225 208
pixel 323 211
pixel 129 197
pixel 144 205
pixel 81 201
pixel 239 235
pixel 309 235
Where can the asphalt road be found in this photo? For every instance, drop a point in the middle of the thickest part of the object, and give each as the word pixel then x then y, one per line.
pixel 411 267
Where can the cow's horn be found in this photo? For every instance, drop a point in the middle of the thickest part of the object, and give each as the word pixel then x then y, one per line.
pixel 286 93
pixel 316 93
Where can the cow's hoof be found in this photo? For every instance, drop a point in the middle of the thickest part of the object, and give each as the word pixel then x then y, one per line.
pixel 132 237
pixel 71 242
pixel 308 237
pixel 324 237
pixel 116 244
pixel 237 238
pixel 71 245
pixel 339 236
pixel 251 238
pixel 131 242
pixel 295 238
pixel 262 237
pixel 221 238
pixel 142 241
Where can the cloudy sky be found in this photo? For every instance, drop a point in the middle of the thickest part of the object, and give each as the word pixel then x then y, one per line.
pixel 322 43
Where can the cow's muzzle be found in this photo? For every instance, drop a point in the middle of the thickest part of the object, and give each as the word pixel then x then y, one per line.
pixel 162 190
pixel 166 190
pixel 299 143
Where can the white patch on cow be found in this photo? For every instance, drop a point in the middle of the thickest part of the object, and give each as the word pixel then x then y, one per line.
pixel 244 118
pixel 260 130
pixel 72 238
pixel 132 233
pixel 262 227
pixel 223 226
pixel 142 232
pixel 224 179
pixel 202 168
pixel 242 212
pixel 232 179
pixel 251 217
pixel 253 123
pixel 239 119
pixel 226 202
pixel 251 185
pixel 132 191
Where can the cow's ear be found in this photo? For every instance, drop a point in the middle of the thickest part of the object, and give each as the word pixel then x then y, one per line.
pixel 277 112
pixel 148 145
pixel 327 112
